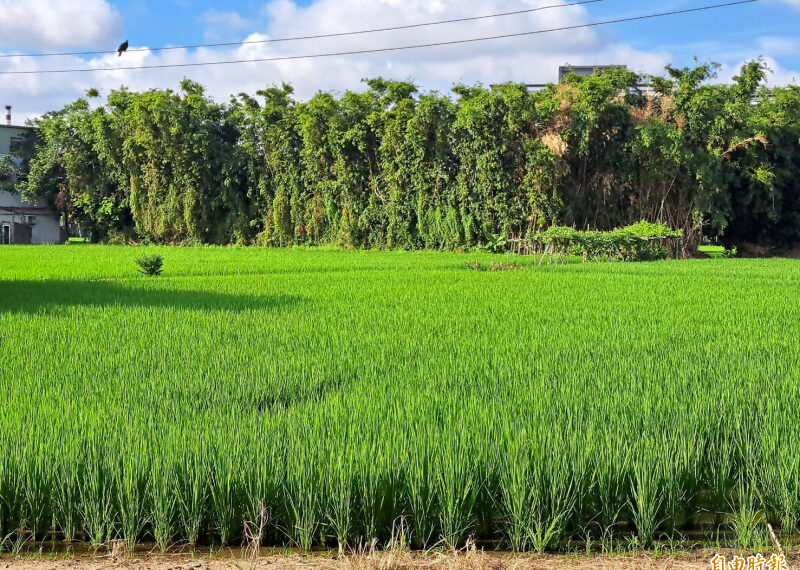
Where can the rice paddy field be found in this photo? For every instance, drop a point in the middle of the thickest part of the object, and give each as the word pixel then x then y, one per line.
pixel 324 398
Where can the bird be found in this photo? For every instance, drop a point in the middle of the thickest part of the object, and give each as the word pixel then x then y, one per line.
pixel 123 47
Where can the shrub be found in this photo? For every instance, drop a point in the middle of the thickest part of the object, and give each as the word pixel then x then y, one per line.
pixel 638 242
pixel 476 265
pixel 150 265
pixel 116 237
pixel 495 243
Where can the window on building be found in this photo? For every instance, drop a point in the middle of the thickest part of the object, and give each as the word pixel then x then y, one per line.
pixel 17 145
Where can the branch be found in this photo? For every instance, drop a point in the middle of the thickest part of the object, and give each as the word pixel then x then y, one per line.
pixel 733 148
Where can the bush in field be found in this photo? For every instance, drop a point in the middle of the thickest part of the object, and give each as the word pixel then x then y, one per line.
pixel 150 265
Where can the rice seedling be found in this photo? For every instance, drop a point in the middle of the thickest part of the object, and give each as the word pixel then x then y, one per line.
pixel 163 501
pixel 323 398
pixel 646 491
pixel 96 496
pixel 302 497
pixel 192 493
pixel 66 492
pixel 339 495
pixel 517 491
pixel 456 487
pixel 419 488
pixel 224 490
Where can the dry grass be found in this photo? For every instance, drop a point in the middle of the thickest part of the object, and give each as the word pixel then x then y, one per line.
pixel 466 559
pixel 555 144
pixel 661 106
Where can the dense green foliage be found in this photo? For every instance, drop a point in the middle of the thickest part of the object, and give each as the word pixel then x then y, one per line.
pixel 350 391
pixel 638 242
pixel 393 168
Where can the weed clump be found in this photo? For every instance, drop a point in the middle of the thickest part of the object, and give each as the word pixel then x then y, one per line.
pixel 476 265
pixel 150 265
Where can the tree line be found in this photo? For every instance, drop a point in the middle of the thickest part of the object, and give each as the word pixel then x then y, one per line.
pixel 391 167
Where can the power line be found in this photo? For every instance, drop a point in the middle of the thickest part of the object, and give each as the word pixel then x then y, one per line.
pixel 316 36
pixel 389 49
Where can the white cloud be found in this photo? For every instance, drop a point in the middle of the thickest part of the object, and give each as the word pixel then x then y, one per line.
pixel 43 24
pixel 776 75
pixel 531 59
pixel 777 45
pixel 228 20
pixel 219 23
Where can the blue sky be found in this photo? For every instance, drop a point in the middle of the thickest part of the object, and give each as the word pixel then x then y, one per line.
pixel 716 35
pixel 729 36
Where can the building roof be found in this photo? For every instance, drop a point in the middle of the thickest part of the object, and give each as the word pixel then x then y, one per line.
pixel 23 127
pixel 583 70
pixel 26 210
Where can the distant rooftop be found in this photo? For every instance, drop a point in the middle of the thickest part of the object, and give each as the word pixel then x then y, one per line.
pixel 584 70
pixel 579 70
pixel 16 127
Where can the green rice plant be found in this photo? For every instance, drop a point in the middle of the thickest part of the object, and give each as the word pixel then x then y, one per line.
pixel 67 495
pixel 779 472
pixel 646 491
pixel 420 486
pixel 14 531
pixel 455 488
pixel 163 501
pixel 302 498
pixel 36 479
pixel 784 490
pixel 371 495
pixel 517 489
pixel 746 521
pixel 96 494
pixel 260 487
pixel 339 493
pixel 131 475
pixel 394 396
pixel 192 492
pixel 720 473
pixel 554 494
pixel 680 477
pixel 224 495
pixel 611 467
pixel 6 494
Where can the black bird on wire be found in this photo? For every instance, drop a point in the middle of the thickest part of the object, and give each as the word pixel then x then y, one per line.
pixel 123 47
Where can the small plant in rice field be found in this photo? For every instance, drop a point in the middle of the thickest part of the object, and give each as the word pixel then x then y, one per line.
pixel 150 265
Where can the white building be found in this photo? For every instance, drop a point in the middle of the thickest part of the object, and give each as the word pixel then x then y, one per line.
pixel 22 223
pixel 27 223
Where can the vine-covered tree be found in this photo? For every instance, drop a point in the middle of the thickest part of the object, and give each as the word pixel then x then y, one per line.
pixel 390 167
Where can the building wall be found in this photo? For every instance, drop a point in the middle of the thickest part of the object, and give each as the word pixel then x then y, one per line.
pixel 47 227
pixel 46 230
pixel 6 134
pixel 13 200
